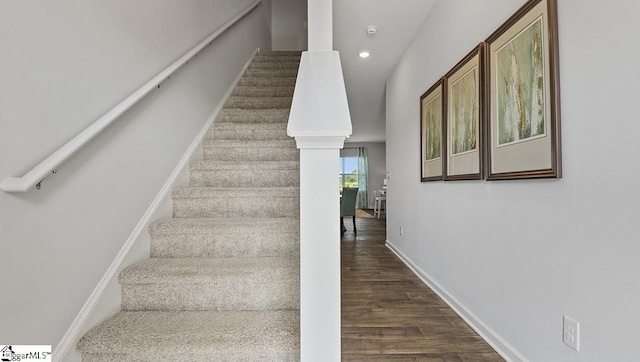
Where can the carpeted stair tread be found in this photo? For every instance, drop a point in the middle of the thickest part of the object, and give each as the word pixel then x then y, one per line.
pixel 267 81
pixel 280 53
pixel 250 91
pixel 244 174
pixel 273 63
pixel 281 58
pixel 258 102
pixel 195 336
pixel 208 270
pixel 277 57
pixel 238 202
pixel 206 226
pixel 236 115
pixel 225 237
pixel 250 150
pixel 249 131
pixel 240 192
pixel 294 64
pixel 260 126
pixel 221 166
pixel 251 283
pixel 290 143
pixel 260 60
pixel 271 73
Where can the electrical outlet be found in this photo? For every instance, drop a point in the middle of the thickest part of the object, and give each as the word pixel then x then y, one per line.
pixel 401 230
pixel 571 333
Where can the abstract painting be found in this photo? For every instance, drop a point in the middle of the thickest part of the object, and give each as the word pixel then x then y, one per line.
pixel 464 115
pixel 432 147
pixel 433 128
pixel 520 86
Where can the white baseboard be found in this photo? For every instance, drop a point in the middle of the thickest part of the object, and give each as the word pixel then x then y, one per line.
pixel 507 351
pixel 72 335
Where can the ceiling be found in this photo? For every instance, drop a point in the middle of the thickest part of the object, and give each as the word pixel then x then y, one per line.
pixel 397 23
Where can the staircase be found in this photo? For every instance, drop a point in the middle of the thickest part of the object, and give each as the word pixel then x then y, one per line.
pixel 222 282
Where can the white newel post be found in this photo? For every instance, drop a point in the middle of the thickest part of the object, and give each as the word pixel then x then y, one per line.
pixel 320 122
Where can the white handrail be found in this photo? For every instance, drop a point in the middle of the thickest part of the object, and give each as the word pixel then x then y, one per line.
pixel 33 178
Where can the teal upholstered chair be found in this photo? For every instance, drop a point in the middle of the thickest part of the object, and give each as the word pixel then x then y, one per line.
pixel 348 206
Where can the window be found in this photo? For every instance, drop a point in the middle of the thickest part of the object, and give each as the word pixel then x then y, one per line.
pixel 348 172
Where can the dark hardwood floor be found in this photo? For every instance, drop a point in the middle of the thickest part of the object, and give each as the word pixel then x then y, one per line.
pixel 389 314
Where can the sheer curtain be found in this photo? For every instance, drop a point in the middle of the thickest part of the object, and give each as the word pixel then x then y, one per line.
pixel 363 179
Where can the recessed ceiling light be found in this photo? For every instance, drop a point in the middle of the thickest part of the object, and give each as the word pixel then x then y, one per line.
pixel 364 54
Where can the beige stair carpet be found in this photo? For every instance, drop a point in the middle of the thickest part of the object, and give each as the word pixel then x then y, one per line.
pixel 222 283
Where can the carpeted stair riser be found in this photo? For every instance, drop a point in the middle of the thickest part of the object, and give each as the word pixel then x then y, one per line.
pixel 172 284
pixel 250 91
pixel 294 64
pixel 205 202
pixel 258 103
pixel 249 131
pixel 231 115
pixel 249 154
pixel 269 63
pixel 271 73
pixel 195 337
pixel 251 174
pixel 268 82
pixel 279 57
pixel 287 58
pixel 245 178
pixel 225 238
pixel 281 53
pixel 249 151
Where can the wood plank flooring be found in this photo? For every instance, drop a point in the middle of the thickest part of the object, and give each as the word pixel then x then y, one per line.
pixel 389 314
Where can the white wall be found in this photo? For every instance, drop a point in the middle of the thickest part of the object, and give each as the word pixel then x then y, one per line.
pixel 288 20
pixel 520 254
pixel 65 64
pixel 376 154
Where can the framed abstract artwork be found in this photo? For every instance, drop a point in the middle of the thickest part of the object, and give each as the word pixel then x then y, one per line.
pixel 524 95
pixel 465 118
pixel 431 133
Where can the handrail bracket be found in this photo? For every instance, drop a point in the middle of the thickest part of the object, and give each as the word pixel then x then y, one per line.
pixel 39 184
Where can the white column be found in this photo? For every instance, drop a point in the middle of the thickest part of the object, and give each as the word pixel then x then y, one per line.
pixel 320 121
pixel 320 20
pixel 319 252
